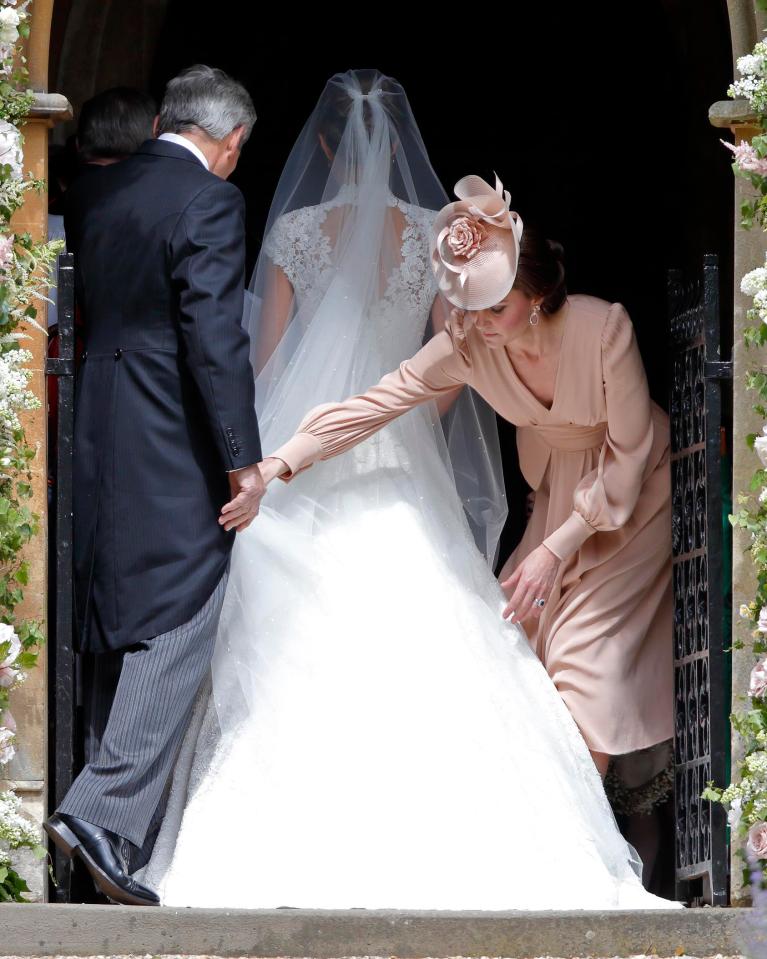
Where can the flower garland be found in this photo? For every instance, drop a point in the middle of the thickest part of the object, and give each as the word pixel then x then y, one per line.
pixel 746 799
pixel 24 271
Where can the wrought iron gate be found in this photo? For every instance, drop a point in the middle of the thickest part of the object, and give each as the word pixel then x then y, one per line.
pixel 61 657
pixel 701 739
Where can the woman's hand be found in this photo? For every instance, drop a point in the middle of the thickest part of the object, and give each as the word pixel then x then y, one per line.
pixel 271 468
pixel 532 580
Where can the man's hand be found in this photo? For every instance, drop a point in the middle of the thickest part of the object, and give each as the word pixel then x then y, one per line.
pixel 248 489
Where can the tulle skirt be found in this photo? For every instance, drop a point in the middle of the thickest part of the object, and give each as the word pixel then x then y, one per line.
pixel 378 736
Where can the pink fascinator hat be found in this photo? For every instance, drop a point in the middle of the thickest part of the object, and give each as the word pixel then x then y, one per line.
pixel 475 245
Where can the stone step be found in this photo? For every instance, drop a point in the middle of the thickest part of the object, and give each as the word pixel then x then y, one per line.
pixel 84 930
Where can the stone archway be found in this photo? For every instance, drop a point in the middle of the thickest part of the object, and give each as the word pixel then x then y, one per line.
pixel 127 35
pixel 746 27
pixel 91 23
pixel 28 771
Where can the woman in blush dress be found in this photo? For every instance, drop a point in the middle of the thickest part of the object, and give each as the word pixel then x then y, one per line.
pixel 591 579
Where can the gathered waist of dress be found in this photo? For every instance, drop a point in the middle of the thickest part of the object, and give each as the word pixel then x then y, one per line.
pixel 569 439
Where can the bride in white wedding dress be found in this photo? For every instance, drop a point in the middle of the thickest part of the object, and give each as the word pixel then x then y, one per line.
pixel 377 735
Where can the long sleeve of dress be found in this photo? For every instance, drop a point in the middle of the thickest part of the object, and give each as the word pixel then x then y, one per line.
pixel 606 497
pixel 333 428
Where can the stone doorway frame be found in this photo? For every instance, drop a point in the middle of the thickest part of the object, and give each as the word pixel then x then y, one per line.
pixel 28 772
pixel 746 27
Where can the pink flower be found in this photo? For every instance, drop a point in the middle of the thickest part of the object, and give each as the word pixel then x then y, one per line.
pixel 6 251
pixel 8 676
pixel 747 158
pixel 757 840
pixel 465 237
pixel 758 685
pixel 8 721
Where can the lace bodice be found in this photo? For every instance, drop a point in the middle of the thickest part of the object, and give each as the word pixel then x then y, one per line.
pixel 299 245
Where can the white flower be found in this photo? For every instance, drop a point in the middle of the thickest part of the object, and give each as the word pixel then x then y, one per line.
pixel 763 495
pixel 753 86
pixel 8 637
pixel 735 813
pixel 7 51
pixel 9 641
pixel 760 446
pixel 15 830
pixel 14 395
pixel 762 625
pixel 10 149
pixel 754 281
pixel 9 25
pixel 745 611
pixel 7 749
pixel 750 65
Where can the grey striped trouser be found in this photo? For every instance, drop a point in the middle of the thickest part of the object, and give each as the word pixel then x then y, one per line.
pixel 121 788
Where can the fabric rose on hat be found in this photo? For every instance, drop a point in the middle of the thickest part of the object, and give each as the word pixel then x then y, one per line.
pixel 757 688
pixel 10 149
pixel 757 840
pixel 465 237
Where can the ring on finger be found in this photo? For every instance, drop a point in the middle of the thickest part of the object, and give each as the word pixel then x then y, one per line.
pixel 540 603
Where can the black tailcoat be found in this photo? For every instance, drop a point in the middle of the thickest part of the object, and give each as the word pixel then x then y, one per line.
pixel 165 394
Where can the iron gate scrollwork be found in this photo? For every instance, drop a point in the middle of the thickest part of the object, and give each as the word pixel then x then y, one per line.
pixel 698 378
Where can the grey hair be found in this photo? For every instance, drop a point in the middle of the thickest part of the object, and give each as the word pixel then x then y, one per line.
pixel 207 99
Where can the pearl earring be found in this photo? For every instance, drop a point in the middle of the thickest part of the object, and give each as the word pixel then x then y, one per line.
pixel 534 316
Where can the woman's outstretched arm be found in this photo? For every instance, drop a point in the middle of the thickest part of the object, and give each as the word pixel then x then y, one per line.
pixel 333 428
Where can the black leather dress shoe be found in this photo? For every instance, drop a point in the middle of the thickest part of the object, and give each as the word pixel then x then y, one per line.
pixel 99 850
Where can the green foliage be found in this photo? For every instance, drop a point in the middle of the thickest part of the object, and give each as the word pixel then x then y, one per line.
pixel 12 886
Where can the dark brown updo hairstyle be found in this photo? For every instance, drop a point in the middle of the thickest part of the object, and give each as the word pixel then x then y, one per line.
pixel 339 103
pixel 541 270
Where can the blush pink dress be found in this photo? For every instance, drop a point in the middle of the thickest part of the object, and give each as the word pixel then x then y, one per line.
pixel 598 460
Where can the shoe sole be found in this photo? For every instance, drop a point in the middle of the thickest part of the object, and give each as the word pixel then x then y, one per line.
pixel 70 845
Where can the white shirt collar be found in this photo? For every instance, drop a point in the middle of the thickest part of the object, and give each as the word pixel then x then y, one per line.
pixel 182 141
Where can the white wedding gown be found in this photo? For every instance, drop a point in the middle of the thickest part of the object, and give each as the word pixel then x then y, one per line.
pixel 389 741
